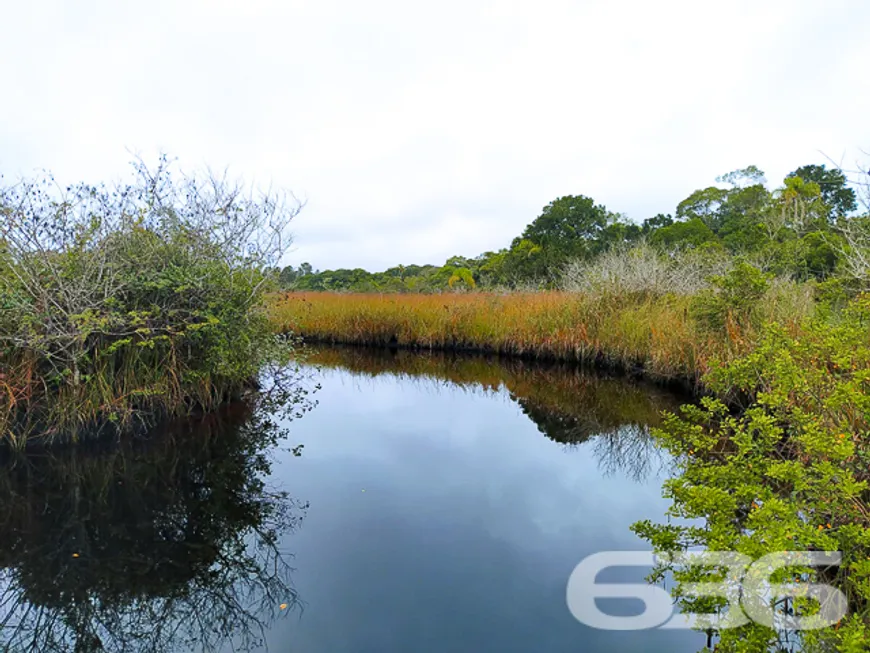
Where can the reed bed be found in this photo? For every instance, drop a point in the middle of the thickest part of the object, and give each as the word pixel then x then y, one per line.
pixel 650 334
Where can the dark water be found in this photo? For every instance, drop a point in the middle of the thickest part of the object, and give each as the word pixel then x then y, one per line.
pixel 438 504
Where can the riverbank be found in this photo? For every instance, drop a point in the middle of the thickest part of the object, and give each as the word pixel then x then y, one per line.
pixel 655 336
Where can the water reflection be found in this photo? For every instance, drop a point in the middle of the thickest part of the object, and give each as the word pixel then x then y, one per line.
pixel 438 521
pixel 567 404
pixel 148 545
pixel 452 497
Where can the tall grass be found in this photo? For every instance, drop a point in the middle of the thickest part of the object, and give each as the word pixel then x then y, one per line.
pixel 638 332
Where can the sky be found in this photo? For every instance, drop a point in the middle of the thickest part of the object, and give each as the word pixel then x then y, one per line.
pixel 417 131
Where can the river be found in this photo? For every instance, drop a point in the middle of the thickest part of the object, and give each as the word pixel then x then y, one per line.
pixel 425 503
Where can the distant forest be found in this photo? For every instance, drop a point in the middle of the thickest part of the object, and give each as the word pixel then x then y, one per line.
pixel 794 230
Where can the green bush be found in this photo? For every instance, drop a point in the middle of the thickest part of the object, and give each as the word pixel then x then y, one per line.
pixel 789 472
pixel 119 305
pixel 732 299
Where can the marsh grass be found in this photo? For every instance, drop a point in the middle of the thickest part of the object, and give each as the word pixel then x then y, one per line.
pixel 651 334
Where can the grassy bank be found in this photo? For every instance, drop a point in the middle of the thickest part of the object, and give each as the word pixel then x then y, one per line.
pixel 661 336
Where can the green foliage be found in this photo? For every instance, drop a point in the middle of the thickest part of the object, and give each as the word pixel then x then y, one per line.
pixel 791 231
pixel 461 277
pixel 567 225
pixel 839 199
pixel 742 217
pixel 732 300
pixel 122 305
pixel 525 261
pixel 654 223
pixel 819 254
pixel 703 205
pixel 679 235
pixel 749 175
pixel 801 205
pixel 786 473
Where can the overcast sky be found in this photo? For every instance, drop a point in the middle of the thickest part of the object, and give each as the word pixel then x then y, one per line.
pixel 419 130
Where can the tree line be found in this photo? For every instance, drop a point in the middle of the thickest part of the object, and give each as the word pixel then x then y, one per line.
pixel 795 230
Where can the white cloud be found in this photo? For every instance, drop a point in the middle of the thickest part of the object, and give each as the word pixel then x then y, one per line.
pixel 417 131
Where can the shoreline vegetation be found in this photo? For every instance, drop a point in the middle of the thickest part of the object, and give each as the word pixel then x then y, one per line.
pixel 671 297
pixel 121 306
pixel 656 337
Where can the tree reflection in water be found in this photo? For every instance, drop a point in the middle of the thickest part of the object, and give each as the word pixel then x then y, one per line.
pixel 147 545
pixel 567 404
pixel 172 542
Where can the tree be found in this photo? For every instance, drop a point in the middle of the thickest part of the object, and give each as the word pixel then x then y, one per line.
pixel 749 175
pixel 287 276
pixel 524 262
pixel 490 267
pixel 801 203
pixel 691 233
pixel 703 205
pixel 463 277
pixel 656 222
pixel 741 216
pixel 617 233
pixel 819 255
pixel 716 207
pixel 839 198
pixel 735 215
pixel 568 225
pixel 459 262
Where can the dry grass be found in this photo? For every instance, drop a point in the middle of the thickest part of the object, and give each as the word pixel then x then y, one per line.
pixel 652 334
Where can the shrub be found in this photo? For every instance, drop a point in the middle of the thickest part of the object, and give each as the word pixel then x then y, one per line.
pixel 121 304
pixel 788 473
pixel 732 299
pixel 643 269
